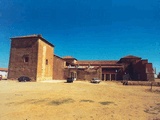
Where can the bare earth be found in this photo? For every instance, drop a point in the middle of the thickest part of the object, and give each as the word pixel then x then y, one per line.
pixel 77 101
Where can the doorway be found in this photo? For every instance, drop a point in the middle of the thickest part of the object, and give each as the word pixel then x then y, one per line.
pixel 107 76
pixel 113 77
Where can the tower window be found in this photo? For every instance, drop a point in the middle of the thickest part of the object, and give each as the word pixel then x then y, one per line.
pixel 46 61
pixel 26 59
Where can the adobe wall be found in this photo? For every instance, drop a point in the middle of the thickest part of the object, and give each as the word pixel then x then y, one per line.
pixel 149 72
pixel 83 74
pixel 17 66
pixel 45 61
pixel 58 69
pixel 88 74
pixel 66 73
pixel 140 71
pixel 144 71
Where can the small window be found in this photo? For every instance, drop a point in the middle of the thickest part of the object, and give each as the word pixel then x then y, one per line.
pixel 26 59
pixel 46 61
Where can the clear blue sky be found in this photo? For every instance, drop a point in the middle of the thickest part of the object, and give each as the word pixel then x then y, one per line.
pixel 85 29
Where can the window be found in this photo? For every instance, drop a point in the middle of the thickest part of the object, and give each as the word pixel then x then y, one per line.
pixel 26 59
pixel 46 61
pixel 102 76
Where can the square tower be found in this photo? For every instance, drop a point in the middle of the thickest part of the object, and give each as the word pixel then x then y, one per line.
pixel 31 56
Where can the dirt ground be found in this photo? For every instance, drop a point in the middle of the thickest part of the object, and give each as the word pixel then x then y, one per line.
pixel 77 101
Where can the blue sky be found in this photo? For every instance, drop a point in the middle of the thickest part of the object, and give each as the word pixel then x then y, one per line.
pixel 85 29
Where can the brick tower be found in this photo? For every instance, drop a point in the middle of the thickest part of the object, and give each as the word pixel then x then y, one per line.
pixel 31 56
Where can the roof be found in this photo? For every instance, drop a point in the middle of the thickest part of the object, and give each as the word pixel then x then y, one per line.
pixel 69 57
pixel 114 66
pixel 28 36
pixel 33 36
pixel 4 69
pixel 131 56
pixel 97 62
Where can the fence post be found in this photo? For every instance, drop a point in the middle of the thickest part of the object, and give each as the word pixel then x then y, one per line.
pixel 151 86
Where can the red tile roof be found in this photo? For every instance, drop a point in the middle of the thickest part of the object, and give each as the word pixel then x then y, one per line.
pixel 97 62
pixel 68 57
pixel 113 66
pixel 4 69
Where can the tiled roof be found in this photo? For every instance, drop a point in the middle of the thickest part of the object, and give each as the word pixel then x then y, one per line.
pixel 4 69
pixel 68 57
pixel 113 66
pixel 97 62
pixel 33 36
pixel 131 56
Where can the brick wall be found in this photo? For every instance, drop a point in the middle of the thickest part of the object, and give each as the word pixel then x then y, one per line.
pixel 31 57
pixel 149 72
pixel 45 61
pixel 19 49
pixel 58 69
pixel 87 74
pixel 139 70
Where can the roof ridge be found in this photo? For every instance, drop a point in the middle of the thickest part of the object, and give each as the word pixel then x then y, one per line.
pixel 32 35
pixel 131 56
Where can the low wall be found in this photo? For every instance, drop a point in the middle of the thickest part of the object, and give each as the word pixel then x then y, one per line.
pixel 142 83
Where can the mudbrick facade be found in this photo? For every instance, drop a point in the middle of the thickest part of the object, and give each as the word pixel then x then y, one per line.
pixel 33 56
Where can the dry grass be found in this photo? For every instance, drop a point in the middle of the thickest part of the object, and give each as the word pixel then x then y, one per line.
pixel 77 101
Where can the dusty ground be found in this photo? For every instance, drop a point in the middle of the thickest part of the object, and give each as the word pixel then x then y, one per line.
pixel 77 101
